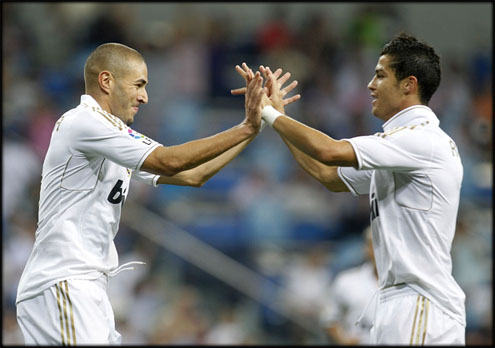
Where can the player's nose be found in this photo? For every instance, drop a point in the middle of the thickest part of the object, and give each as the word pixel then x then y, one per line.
pixel 143 97
pixel 371 84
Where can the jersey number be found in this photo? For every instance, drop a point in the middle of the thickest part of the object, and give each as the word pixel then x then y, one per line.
pixel 374 207
pixel 117 196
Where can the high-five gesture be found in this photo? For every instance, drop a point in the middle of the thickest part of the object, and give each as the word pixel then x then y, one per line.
pixel 273 86
pixel 253 97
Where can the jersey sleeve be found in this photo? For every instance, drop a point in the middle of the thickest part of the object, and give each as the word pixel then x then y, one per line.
pixel 357 181
pixel 96 134
pixel 405 150
pixel 147 178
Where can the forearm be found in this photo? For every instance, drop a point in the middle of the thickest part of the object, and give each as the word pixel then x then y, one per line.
pixel 326 175
pixel 171 160
pixel 198 176
pixel 314 143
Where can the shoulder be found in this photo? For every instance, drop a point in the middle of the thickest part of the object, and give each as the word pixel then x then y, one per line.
pixel 99 116
pixel 92 121
pixel 416 138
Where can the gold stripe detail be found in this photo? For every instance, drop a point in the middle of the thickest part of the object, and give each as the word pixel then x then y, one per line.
pixel 414 320
pixel 394 131
pixel 426 320
pixel 113 122
pixel 71 312
pixel 420 318
pixel 60 312
pixel 65 314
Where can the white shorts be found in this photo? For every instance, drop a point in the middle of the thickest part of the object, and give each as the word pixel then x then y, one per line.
pixel 73 311
pixel 407 318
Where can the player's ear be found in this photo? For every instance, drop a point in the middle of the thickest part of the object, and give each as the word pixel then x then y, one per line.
pixel 410 85
pixel 105 80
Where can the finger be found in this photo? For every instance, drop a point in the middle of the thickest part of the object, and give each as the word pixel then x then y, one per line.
pixel 263 71
pixel 241 72
pixel 238 91
pixel 277 73
pixel 253 83
pixel 290 87
pixel 284 78
pixel 248 70
pixel 292 99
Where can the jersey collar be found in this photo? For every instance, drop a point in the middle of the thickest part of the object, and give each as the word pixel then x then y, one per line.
pixel 411 115
pixel 89 101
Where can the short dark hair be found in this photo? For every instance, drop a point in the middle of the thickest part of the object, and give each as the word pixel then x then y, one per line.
pixel 411 57
pixel 111 56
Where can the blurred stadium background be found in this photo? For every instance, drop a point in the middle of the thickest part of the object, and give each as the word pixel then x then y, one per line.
pixel 247 258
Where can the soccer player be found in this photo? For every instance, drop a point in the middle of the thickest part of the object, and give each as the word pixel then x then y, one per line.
pixel 412 173
pixel 349 295
pixel 92 156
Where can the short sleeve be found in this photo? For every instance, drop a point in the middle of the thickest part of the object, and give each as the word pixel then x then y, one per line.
pixel 147 178
pixel 357 181
pixel 94 134
pixel 405 150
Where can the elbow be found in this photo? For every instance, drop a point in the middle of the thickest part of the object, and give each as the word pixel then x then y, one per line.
pixel 326 156
pixel 334 155
pixel 196 179
pixel 334 187
pixel 197 183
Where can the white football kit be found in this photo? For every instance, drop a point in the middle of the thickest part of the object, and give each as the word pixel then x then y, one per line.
pixel 85 180
pixel 412 173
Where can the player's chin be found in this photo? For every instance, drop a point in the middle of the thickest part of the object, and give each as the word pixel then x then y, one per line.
pixel 374 110
pixel 129 121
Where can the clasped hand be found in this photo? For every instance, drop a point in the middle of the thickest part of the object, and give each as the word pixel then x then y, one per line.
pixel 257 96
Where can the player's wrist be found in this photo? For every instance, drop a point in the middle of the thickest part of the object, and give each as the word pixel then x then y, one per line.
pixel 262 125
pixel 270 114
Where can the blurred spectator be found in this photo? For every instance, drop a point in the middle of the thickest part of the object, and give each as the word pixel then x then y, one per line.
pixel 227 330
pixel 350 293
pixel 183 322
pixel 307 279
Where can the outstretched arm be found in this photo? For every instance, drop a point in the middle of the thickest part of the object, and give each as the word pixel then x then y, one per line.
pixel 168 161
pixel 198 176
pixel 327 175
pixel 202 173
pixel 310 141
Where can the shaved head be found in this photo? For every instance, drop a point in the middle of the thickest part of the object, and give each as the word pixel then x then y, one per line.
pixel 113 57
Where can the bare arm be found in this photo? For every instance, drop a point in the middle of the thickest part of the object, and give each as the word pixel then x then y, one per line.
pixel 310 141
pixel 327 175
pixel 202 173
pixel 316 144
pixel 171 160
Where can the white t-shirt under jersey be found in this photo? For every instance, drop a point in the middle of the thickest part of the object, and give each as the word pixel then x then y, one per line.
pixel 85 180
pixel 412 173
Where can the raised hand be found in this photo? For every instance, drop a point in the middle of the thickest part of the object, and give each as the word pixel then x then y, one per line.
pixel 275 91
pixel 253 98
pixel 247 74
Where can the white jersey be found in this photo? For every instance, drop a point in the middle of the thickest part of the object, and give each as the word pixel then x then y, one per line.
pixel 412 173
pixel 350 293
pixel 85 180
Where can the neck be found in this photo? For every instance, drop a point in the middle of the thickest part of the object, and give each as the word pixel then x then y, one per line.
pixel 404 105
